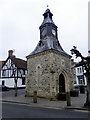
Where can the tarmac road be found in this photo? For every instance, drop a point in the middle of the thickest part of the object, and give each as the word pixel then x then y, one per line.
pixel 16 110
pixel 77 103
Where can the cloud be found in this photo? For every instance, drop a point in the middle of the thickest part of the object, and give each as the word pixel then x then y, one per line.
pixel 20 21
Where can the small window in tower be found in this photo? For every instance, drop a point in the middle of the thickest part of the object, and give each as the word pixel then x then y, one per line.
pixel 38 75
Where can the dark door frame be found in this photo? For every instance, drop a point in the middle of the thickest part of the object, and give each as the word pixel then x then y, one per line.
pixel 61 83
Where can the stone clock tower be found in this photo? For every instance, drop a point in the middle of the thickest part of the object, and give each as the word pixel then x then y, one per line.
pixel 48 66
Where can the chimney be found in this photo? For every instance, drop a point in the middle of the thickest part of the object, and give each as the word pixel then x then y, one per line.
pixel 10 53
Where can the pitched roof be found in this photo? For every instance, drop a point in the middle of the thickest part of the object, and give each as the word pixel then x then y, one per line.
pixel 21 64
pixel 49 43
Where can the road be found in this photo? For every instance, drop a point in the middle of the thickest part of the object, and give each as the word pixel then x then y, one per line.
pixel 13 110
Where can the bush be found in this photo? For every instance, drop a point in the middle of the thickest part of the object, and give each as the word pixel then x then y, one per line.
pixel 61 96
pixel 74 93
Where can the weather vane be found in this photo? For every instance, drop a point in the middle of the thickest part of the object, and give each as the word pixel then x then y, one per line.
pixel 47 5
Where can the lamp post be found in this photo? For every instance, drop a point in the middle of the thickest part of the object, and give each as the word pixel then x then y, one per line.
pixel 85 61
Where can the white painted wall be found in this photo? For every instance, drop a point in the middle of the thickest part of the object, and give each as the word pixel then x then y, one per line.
pixel 79 72
pixel 9 82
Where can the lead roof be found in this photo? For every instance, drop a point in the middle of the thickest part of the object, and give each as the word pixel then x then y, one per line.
pixel 49 42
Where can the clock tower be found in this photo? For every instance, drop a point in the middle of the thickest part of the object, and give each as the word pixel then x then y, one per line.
pixel 48 28
pixel 48 66
pixel 48 35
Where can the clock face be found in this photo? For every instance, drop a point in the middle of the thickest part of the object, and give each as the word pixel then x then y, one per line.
pixel 53 32
pixel 44 32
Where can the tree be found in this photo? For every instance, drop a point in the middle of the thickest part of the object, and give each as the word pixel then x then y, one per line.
pixel 85 62
pixel 15 80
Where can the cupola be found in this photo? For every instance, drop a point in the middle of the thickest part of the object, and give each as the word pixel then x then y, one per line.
pixel 48 28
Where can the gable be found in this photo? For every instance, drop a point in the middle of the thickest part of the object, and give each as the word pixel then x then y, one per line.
pixel 14 62
pixel 8 64
pixel 20 64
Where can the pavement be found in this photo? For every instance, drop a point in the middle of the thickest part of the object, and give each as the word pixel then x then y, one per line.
pixel 76 102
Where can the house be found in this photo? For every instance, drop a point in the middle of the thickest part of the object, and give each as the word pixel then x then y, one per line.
pixel 48 66
pixel 73 72
pixel 78 71
pixel 13 69
pixel 80 77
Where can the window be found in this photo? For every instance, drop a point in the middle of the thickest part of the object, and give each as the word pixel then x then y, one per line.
pixel 23 72
pixel 3 72
pixel 78 70
pixel 3 82
pixel 38 75
pixel 80 82
pixel 75 82
pixel 23 81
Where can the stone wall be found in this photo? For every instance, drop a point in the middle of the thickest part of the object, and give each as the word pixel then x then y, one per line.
pixel 51 64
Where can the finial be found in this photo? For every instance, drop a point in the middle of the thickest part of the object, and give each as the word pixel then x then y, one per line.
pixel 47 6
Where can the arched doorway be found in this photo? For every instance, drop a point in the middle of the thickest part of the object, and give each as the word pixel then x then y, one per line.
pixel 61 83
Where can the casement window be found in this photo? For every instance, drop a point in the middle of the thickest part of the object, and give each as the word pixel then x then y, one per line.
pixel 81 82
pixel 23 81
pixel 81 70
pixel 23 72
pixel 3 82
pixel 3 72
pixel 78 70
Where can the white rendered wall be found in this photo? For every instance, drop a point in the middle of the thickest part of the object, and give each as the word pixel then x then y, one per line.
pixel 9 82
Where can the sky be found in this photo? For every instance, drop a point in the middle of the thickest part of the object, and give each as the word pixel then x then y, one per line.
pixel 89 27
pixel 20 21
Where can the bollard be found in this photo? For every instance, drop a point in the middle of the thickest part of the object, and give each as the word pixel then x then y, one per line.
pixel 68 98
pixel 15 87
pixel 35 97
